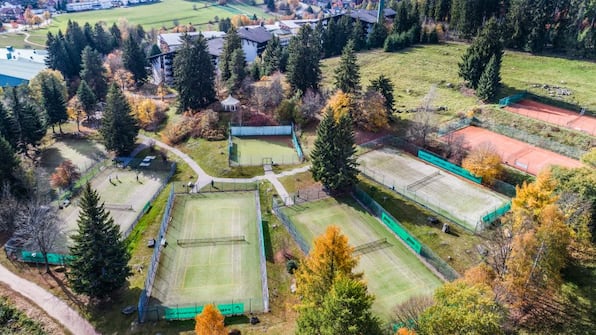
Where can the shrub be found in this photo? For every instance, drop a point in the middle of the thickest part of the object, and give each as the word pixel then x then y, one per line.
pixel 291 266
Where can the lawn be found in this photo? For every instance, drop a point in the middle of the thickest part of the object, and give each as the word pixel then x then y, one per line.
pixel 156 15
pixel 393 273
pixel 414 70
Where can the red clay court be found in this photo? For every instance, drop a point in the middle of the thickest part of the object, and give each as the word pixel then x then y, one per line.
pixel 555 115
pixel 517 154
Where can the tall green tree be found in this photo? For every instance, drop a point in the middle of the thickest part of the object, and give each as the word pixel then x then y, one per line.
pixel 9 161
pixel 377 37
pixel 87 99
pixel 490 80
pixel 100 258
pixel 333 161
pixel 358 35
pixel 94 73
pixel 53 98
pixel 29 126
pixel 194 73
pixel 347 74
pixel 237 69
pixel 9 128
pixel 232 43
pixel 134 60
pixel 119 127
pixel 272 56
pixel 488 44
pixel 304 57
pixel 58 57
pixel 103 40
pixel 384 86
pixel 116 36
pixel 75 42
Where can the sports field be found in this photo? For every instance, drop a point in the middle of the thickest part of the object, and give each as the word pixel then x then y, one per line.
pixel 211 272
pixel 120 191
pixel 393 273
pixel 517 154
pixel 555 115
pixel 255 150
pixel 83 153
pixel 456 198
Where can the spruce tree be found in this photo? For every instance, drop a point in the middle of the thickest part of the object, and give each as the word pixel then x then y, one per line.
pixel 103 40
pixel 9 161
pixel 384 86
pixel 88 32
pixel 272 56
pixel 358 36
pixel 116 35
pixel 134 60
pixel 304 56
pixel 347 74
pixel 345 151
pixel 489 81
pixel 93 72
pixel 237 69
pixel 29 127
pixel 323 163
pixel 477 56
pixel 54 101
pixel 377 37
pixel 232 43
pixel 119 127
pixel 194 73
pixel 86 97
pixel 100 258
pixel 9 128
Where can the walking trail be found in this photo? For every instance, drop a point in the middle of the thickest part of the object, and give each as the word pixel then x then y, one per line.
pixel 55 307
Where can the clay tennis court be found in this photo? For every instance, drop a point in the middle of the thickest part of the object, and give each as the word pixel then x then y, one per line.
pixel 555 115
pixel 517 154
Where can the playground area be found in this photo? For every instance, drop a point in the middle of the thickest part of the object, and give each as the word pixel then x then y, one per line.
pixel 460 200
pixel 259 150
pixel 514 153
pixel 125 194
pixel 555 115
pixel 391 270
pixel 211 256
pixel 83 153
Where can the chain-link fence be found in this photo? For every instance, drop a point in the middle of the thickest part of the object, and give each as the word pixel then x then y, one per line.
pixel 156 311
pixel 278 210
pixel 263 262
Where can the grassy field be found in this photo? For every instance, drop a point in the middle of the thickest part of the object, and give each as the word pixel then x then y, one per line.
pixel 416 69
pixel 221 273
pixel 156 15
pixel 393 273
pixel 253 150
pixel 83 153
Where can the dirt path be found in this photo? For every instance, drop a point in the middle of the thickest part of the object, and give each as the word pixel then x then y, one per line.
pixel 32 43
pixel 51 304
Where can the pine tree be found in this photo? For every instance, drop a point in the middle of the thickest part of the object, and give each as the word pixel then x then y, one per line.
pixel 237 69
pixel 53 100
pixel 194 73
pixel 116 35
pixel 384 86
pixel 94 73
pixel 328 37
pixel 103 40
pixel 9 161
pixel 134 60
pixel 477 56
pixel 489 81
pixel 29 126
pixel 323 163
pixel 119 127
pixel 75 42
pixel 304 56
pixel 232 43
pixel 272 56
pixel 9 128
pixel 358 36
pixel 345 151
pixel 377 37
pixel 100 258
pixel 86 97
pixel 347 74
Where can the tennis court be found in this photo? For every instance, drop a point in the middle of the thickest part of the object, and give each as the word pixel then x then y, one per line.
pixel 459 200
pixel 555 115
pixel 259 150
pixel 83 153
pixel 212 253
pixel 392 271
pixel 123 195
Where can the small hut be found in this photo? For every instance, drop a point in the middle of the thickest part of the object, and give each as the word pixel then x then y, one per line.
pixel 230 104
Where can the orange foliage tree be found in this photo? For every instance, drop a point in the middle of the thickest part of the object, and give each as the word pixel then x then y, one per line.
pixel 341 104
pixel 372 114
pixel 66 174
pixel 210 322
pixel 484 162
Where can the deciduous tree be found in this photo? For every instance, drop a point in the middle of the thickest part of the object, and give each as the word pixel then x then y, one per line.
pixel 372 114
pixel 210 322
pixel 65 174
pixel 484 162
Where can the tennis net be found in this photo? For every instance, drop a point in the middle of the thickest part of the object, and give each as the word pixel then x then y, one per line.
pixel 198 242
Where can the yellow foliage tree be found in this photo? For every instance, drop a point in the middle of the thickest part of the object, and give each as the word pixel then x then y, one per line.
pixel 531 199
pixel 340 103
pixel 330 257
pixel 145 111
pixel 590 158
pixel 210 322
pixel 405 331
pixel 479 274
pixel 484 162
pixel 47 74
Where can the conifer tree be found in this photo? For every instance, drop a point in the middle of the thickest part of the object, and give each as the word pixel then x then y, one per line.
pixel 116 35
pixel 9 128
pixel 210 322
pixel 304 55
pixel 134 60
pixel 226 60
pixel 384 86
pixel 194 73
pixel 358 36
pixel 29 126
pixel 347 74
pixel 377 37
pixel 323 163
pixel 489 81
pixel 272 56
pixel 94 73
pixel 9 161
pixel 54 101
pixel 119 127
pixel 486 45
pixel 103 40
pixel 100 258
pixel 237 69
pixel 87 99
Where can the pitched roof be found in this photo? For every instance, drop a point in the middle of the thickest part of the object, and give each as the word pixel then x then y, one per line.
pixel 173 39
pixel 257 34
pixel 230 101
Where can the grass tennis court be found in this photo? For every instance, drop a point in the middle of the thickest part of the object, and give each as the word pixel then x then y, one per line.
pixel 120 191
pixel 393 273
pixel 460 200
pixel 211 272
pixel 255 150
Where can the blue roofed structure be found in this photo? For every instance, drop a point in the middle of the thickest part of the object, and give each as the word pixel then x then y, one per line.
pixel 18 66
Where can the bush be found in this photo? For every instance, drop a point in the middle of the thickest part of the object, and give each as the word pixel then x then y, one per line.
pixel 291 266
pixel 202 125
pixel 257 119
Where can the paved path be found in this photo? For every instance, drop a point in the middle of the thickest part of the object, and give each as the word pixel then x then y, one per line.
pixel 204 179
pixel 55 307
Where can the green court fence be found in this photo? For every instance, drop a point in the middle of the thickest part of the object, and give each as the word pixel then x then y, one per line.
pixel 393 224
pixel 261 130
pixel 297 144
pixel 263 262
pixel 510 100
pixel 37 257
pixel 186 312
pixel 234 155
pixel 446 165
pixel 146 293
pixel 492 216
pixel 277 209
pixel 73 190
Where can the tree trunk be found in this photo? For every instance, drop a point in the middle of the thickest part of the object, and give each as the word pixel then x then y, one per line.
pixel 60 127
pixel 53 131
pixel 45 257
